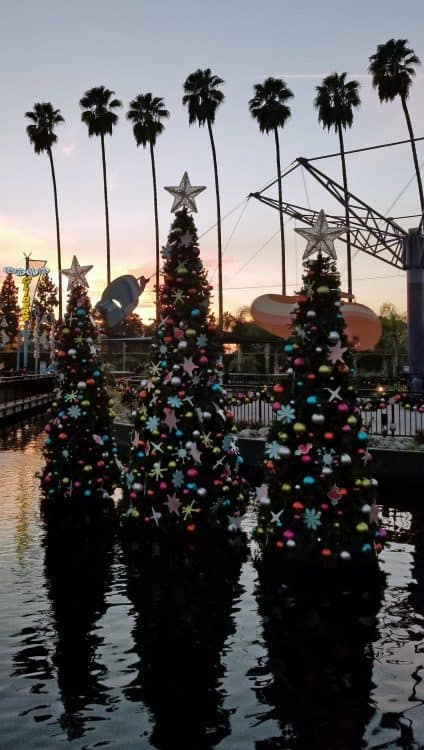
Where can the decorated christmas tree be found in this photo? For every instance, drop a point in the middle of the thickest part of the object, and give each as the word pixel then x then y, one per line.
pixel 80 469
pixel 183 474
pixel 9 312
pixel 317 504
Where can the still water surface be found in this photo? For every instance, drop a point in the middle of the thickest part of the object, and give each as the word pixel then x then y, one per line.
pixel 95 655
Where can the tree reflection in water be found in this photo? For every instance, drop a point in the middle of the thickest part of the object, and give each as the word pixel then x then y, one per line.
pixel 183 617
pixel 78 576
pixel 320 659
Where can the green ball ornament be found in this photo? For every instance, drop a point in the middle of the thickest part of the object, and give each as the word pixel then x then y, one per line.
pixel 190 333
pixel 88 468
pixel 352 420
pixel 323 289
pixel 172 465
pixel 299 427
pixel 324 370
pixel 362 527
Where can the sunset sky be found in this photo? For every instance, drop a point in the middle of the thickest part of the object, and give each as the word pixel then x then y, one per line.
pixel 55 51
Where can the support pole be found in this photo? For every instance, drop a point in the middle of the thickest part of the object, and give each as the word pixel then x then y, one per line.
pixel 414 263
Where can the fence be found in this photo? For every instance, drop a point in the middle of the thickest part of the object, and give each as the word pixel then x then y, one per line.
pixel 392 418
pixel 22 393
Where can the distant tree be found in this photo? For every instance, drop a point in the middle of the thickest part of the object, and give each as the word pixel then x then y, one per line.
pixel 146 113
pixel 335 100
pixel 131 326
pixel 45 299
pixel 392 70
pixel 394 340
pixel 42 136
pixel 271 112
pixel 98 115
pixel 202 96
pixel 9 312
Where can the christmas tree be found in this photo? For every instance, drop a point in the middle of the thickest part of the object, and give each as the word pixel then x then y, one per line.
pixel 318 501
pixel 80 456
pixel 183 469
pixel 9 312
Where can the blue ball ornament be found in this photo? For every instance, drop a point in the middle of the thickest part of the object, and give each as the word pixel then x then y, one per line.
pixel 81 312
pixel 163 363
pixel 363 436
pixel 366 548
pixel 288 348
pixel 308 481
pixel 48 441
pixel 215 387
pixel 312 400
pixel 140 454
pixel 178 433
pixel 195 313
pixel 96 373
pixel 105 438
pixel 226 503
pixel 191 486
pixel 87 493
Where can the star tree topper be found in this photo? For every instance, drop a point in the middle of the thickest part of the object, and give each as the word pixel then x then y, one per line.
pixel 184 195
pixel 320 237
pixel 76 274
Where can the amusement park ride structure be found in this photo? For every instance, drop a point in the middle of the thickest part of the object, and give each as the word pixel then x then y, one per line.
pixel 382 238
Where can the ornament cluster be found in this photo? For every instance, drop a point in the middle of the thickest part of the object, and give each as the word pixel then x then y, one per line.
pixel 318 499
pixel 79 450
pixel 183 472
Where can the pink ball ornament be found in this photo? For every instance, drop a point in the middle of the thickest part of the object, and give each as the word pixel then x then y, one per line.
pixel 192 473
pixel 342 407
pixel 346 428
pixel 276 406
pixel 299 362
pixel 163 485
pixel 306 459
pixel 203 360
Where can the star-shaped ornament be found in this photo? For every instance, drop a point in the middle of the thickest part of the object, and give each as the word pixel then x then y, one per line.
pixel 173 504
pixel 189 366
pixel 184 195
pixel 320 237
pixel 76 274
pixel 334 394
pixel 170 420
pixel 335 354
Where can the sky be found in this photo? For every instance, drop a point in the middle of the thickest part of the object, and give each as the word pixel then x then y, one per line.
pixel 55 51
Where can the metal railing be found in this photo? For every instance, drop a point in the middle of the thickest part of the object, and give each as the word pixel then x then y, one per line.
pixel 393 418
pixel 20 393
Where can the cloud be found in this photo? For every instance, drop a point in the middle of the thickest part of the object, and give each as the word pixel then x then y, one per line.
pixel 69 149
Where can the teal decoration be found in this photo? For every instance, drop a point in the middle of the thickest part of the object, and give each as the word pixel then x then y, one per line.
pixel 363 436
pixel 96 373
pixel 195 313
pixel 87 493
pixel 366 548
pixel 81 312
pixel 312 400
pixel 288 348
pixel 308 481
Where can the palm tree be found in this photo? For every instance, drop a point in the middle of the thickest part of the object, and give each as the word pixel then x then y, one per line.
pixel 392 70
pixel 99 117
pixel 146 113
pixel 269 108
pixel 202 97
pixel 335 101
pixel 42 136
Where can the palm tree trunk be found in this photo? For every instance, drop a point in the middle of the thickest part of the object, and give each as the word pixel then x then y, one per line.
pixel 414 153
pixel 280 208
pixel 102 140
pixel 218 217
pixel 59 253
pixel 155 203
pixel 346 202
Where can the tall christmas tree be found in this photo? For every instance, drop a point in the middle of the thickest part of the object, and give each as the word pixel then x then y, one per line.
pixel 183 469
pixel 9 312
pixel 80 456
pixel 318 501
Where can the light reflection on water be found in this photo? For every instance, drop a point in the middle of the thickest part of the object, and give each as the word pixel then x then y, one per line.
pixel 95 653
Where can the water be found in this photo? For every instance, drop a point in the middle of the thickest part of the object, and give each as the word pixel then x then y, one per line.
pixel 95 653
